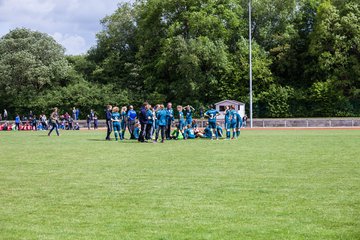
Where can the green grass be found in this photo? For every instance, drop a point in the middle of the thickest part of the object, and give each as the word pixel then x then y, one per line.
pixel 266 185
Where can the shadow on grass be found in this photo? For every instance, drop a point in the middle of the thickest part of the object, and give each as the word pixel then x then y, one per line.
pixel 124 141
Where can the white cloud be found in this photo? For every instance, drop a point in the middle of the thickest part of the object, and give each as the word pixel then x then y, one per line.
pixel 74 44
pixel 73 23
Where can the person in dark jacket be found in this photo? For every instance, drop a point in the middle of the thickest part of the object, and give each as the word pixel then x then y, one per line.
pixel 108 122
pixel 143 121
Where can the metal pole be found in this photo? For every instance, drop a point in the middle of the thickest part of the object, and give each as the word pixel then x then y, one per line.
pixel 250 64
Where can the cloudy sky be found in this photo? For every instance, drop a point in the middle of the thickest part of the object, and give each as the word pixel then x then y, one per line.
pixel 73 23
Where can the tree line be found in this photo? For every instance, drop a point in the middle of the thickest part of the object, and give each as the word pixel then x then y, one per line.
pixel 306 57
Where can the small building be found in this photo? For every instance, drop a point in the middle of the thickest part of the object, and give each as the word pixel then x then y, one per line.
pixel 239 107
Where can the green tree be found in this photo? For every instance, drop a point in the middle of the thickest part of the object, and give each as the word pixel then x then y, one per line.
pixel 30 62
pixel 335 43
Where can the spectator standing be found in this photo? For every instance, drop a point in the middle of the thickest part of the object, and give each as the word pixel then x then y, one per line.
pixel 34 123
pixel 92 114
pixel 70 123
pixel 88 122
pixel 0 117
pixel 74 113
pixel 77 114
pixel 95 122
pixel 44 121
pixel 5 115
pixel 17 122
pixel 244 120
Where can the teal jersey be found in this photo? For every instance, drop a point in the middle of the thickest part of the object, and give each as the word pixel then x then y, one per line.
pixel 238 118
pixel 190 133
pixel 115 116
pixel 123 116
pixel 227 116
pixel 150 117
pixel 208 132
pixel 181 116
pixel 233 116
pixel 212 113
pixel 219 130
pixel 161 117
pixel 188 114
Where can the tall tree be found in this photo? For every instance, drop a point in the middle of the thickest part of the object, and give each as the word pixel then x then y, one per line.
pixel 30 62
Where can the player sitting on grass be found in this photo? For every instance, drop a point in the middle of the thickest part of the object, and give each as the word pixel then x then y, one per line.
pixel 207 133
pixel 189 132
pixel 175 134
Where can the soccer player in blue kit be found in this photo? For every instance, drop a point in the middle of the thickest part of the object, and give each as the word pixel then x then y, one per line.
pixel 181 124
pixel 189 132
pixel 188 113
pixel 211 114
pixel 227 122
pixel 169 119
pixel 238 124
pixel 161 116
pixel 115 118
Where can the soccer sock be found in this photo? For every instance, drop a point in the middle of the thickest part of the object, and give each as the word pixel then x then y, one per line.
pixel 116 135
pixel 233 134
pixel 238 133
pixel 216 134
pixel 228 134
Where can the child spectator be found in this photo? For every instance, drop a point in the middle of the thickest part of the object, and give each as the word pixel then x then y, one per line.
pixel 77 127
pixel 136 132
pixel 17 122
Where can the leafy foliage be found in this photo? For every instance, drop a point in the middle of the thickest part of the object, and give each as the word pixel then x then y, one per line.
pixel 306 58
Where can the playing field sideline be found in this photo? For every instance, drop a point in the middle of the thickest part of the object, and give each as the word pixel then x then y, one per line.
pixel 267 185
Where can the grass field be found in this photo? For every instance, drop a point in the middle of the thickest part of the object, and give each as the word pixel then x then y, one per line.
pixel 267 185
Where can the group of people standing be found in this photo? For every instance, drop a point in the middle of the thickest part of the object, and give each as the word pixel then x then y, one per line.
pixel 156 122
